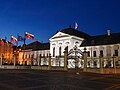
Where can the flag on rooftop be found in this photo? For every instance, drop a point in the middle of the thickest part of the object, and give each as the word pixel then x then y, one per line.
pixel 14 40
pixel 20 38
pixel 29 36
pixel 76 25
pixel 1 42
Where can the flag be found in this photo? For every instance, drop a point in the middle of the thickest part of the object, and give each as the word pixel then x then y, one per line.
pixel 76 25
pixel 14 40
pixel 1 42
pixel 29 36
pixel 20 38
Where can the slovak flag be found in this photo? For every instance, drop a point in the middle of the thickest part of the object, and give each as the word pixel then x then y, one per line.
pixel 14 40
pixel 1 42
pixel 29 36
pixel 76 25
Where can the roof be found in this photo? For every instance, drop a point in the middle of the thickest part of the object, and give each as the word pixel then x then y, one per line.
pixel 37 46
pixel 102 40
pixel 42 46
pixel 75 32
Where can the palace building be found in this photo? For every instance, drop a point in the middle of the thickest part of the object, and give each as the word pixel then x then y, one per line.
pixel 105 46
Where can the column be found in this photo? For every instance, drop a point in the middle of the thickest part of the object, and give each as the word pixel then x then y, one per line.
pixel 1 61
pixel 49 65
pixel 31 60
pixel 14 60
pixel 65 58
pixel 85 59
pixel 101 66
pixel 114 65
pixel 39 60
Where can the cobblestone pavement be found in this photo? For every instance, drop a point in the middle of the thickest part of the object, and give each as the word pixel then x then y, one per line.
pixel 56 80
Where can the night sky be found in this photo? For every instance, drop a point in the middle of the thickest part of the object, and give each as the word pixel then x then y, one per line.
pixel 44 17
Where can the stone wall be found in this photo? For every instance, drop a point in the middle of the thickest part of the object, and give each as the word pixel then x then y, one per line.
pixel 14 67
pixel 104 70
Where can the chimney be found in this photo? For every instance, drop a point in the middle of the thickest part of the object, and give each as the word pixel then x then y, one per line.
pixel 108 32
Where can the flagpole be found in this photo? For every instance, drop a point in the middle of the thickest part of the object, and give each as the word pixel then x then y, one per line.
pixel 24 51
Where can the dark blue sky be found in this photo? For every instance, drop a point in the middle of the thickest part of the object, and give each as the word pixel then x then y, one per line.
pixel 44 17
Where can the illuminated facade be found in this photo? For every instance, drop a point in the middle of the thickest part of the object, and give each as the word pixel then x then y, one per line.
pixel 105 46
pixel 6 52
pixel 32 52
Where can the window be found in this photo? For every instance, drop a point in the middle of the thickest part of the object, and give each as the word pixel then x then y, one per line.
pixel 94 53
pixel 32 56
pixel 101 53
pixel 26 56
pixel 76 42
pixel 95 63
pixel 116 52
pixel 59 51
pixel 23 56
pixel 29 55
pixel 54 52
pixel 88 54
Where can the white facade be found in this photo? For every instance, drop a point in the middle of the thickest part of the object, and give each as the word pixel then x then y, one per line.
pixel 95 52
pixel 108 53
pixel 62 40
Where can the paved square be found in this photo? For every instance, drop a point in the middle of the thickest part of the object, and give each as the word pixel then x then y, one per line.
pixel 56 80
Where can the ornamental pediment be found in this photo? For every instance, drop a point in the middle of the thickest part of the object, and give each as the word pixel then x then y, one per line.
pixel 60 35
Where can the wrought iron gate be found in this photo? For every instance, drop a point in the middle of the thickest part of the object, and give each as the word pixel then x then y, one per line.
pixel 75 59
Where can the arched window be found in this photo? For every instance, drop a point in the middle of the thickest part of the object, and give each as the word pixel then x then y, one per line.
pixel 54 52
pixel 60 51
